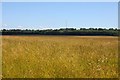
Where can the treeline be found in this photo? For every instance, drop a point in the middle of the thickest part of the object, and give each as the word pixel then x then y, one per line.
pixel 64 31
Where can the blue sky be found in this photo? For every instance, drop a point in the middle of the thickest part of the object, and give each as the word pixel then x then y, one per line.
pixel 60 0
pixel 45 15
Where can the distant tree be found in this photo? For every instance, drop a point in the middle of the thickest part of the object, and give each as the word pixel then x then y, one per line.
pixel 82 28
pixel 100 29
pixel 95 28
pixel 91 28
pixel 4 30
pixel 111 29
pixel 64 31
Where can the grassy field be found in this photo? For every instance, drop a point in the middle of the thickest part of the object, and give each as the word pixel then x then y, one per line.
pixel 59 56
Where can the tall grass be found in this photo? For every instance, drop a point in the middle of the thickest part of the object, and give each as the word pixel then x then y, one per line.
pixel 59 57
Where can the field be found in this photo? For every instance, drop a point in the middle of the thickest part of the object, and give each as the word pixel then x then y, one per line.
pixel 59 56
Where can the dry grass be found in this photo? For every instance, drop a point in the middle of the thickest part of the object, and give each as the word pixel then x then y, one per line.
pixel 59 57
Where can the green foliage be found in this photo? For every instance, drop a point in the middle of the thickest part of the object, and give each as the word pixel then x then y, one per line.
pixel 64 31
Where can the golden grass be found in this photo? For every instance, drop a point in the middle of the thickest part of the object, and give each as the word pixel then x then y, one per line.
pixel 59 57
pixel 0 57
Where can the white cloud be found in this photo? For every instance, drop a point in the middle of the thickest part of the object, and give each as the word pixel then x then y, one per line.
pixel 20 27
pixel 4 25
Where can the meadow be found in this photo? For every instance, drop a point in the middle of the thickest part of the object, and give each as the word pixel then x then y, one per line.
pixel 59 57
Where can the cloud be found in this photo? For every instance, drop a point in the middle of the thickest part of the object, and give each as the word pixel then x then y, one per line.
pixel 20 27
pixel 4 25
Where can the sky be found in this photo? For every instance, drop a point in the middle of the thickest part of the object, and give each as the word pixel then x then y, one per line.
pixel 53 15
pixel 60 0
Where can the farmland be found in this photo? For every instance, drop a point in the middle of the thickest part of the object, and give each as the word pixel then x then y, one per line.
pixel 59 56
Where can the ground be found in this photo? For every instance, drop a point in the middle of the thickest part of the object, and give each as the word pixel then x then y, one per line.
pixel 59 56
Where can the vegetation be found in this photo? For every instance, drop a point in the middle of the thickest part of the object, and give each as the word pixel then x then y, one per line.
pixel 64 31
pixel 60 56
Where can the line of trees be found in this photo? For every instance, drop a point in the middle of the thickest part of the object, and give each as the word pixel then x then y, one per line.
pixel 64 31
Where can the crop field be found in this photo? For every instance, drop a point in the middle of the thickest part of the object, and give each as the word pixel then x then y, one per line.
pixel 59 57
